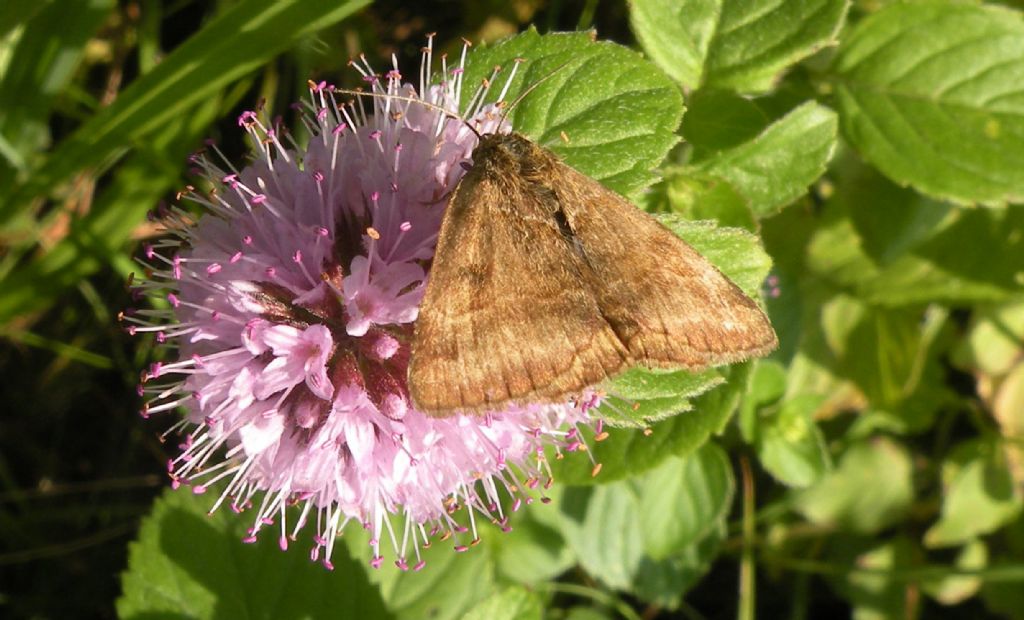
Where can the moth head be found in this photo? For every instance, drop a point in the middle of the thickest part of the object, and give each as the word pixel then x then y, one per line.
pixel 509 152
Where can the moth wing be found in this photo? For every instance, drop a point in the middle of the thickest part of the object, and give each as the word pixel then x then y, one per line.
pixel 507 316
pixel 666 303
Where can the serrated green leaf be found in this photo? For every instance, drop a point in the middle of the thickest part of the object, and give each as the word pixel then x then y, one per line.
pixel 641 396
pixel 626 452
pixel 643 383
pixel 187 564
pixel 241 39
pixel 731 43
pixel 932 93
pixel 618 110
pixel 869 490
pixel 515 603
pixel 620 413
pixel 683 500
pixel 776 167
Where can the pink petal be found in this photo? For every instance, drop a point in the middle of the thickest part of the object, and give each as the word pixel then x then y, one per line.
pixel 262 433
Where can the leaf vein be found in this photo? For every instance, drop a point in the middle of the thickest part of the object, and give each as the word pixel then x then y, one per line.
pixel 767 52
pixel 753 18
pixel 925 140
pixel 937 54
pixel 896 36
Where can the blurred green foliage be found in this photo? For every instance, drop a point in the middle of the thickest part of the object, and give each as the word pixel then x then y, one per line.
pixel 872 466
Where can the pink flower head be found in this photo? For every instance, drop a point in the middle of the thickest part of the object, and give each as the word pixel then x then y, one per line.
pixel 294 300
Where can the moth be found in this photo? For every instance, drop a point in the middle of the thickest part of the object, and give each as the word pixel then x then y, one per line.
pixel 544 283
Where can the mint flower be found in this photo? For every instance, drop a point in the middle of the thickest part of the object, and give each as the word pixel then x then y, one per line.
pixel 291 310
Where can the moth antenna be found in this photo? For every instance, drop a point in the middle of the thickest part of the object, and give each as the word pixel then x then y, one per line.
pixel 530 89
pixel 448 113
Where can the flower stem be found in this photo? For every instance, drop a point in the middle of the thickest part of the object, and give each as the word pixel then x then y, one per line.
pixel 747 576
pixel 596 595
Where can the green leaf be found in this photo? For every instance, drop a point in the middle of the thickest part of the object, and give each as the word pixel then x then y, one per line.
pixel 776 167
pixel 534 552
pixel 789 444
pixel 900 248
pixel 645 384
pixel 684 499
pixel 980 496
pixel 735 252
pixel 932 93
pixel 954 589
pixel 994 341
pixel 589 613
pixel 241 39
pixel 796 314
pixel 14 13
pixel 717 120
pixel 1008 410
pixel 515 603
pixel 448 586
pixel 869 490
pixel 766 386
pixel 885 351
pixel 641 396
pixel 697 196
pixel 1005 598
pixel 600 524
pixel 97 238
pixel 187 564
pixel 675 512
pixel 626 452
pixel 620 413
pixel 743 45
pixel 618 110
pixel 877 595
pixel 665 582
pixel 44 59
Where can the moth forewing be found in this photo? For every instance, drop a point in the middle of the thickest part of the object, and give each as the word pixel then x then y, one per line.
pixel 545 283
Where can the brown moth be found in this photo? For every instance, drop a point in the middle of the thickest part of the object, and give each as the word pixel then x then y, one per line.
pixel 544 283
